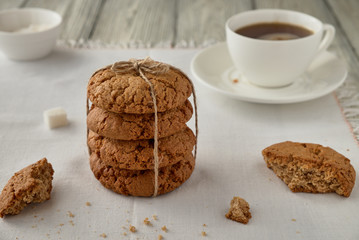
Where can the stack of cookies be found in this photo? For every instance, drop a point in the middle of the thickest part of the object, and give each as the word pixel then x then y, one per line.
pixel 121 123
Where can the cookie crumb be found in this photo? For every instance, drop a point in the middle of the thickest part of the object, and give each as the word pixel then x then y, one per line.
pixel 70 214
pixel 72 223
pixel 34 226
pixel 124 234
pixel 154 217
pixel 203 234
pixel 103 235
pixel 239 210
pixel 204 225
pixel 164 228
pixel 297 232
pixel 293 219
pixel 132 229
pixel 235 80
pixel 160 237
pixel 147 222
pixel 61 224
pixel 88 204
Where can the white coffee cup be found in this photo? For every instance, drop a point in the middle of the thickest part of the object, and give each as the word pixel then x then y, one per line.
pixel 274 63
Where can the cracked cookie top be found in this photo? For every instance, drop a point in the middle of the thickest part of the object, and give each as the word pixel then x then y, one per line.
pixel 129 93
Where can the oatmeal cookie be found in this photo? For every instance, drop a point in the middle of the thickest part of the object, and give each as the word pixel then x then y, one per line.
pixel 138 126
pixel 141 182
pixel 129 93
pixel 138 154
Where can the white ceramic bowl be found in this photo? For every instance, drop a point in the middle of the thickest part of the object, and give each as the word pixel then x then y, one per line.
pixel 28 33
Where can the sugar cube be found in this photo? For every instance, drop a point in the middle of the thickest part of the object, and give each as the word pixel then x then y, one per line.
pixel 55 117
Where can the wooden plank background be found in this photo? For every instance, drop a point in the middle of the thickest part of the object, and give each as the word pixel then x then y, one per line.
pixel 178 23
pixel 195 23
pixel 184 23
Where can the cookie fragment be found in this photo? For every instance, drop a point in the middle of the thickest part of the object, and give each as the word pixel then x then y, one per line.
pixel 308 167
pixel 147 222
pixel 239 210
pixel 32 184
pixel 132 229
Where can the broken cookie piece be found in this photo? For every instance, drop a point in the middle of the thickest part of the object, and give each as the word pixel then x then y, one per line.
pixel 308 167
pixel 32 184
pixel 239 210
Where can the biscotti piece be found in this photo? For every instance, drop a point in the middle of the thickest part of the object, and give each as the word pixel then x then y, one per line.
pixel 129 93
pixel 138 154
pixel 307 167
pixel 239 210
pixel 141 182
pixel 138 126
pixel 32 184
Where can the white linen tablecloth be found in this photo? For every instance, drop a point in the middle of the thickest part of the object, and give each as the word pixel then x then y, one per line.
pixel 229 163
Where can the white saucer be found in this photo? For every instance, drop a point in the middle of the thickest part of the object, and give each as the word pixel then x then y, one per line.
pixel 213 67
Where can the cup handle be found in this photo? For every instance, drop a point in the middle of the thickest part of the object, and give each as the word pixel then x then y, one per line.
pixel 328 36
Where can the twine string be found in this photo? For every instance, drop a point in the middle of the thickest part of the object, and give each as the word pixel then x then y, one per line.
pixel 195 117
pixel 148 66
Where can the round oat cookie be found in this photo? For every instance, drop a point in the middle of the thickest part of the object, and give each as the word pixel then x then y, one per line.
pixel 126 126
pixel 129 93
pixel 141 183
pixel 138 154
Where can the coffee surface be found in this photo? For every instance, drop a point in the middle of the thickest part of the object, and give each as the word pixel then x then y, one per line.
pixel 274 31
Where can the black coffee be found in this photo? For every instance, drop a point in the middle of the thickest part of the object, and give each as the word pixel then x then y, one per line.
pixel 274 31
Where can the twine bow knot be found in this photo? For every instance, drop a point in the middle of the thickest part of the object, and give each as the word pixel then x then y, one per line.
pixel 146 65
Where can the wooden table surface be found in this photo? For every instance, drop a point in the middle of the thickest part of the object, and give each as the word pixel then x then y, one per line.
pixel 194 23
